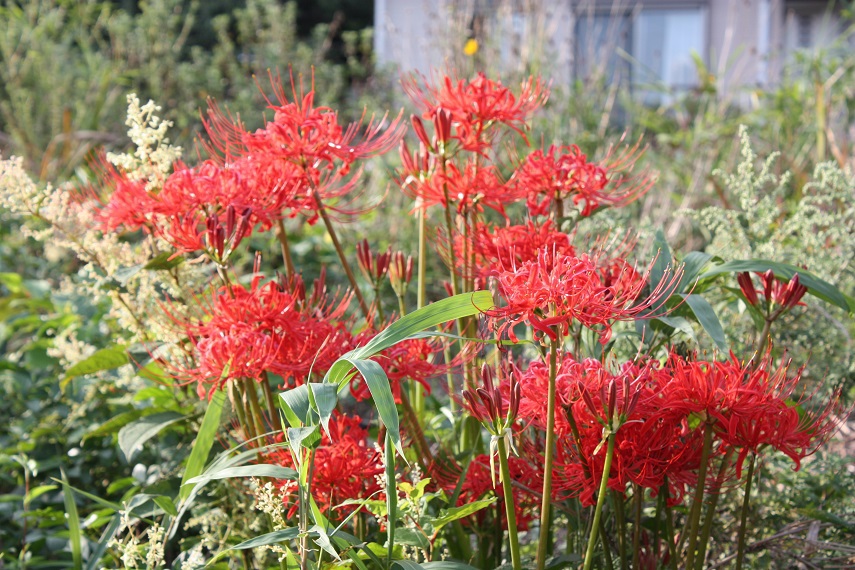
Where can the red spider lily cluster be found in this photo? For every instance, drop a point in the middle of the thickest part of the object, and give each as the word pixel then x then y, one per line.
pixel 566 418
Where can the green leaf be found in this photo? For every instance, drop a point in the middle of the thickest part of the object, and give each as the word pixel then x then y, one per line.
pixel 109 533
pixel 37 492
pixel 104 359
pixel 678 323
pixel 262 470
pixel 455 513
pixel 664 260
pixel 411 537
pixel 163 261
pixel 708 319
pixel 325 399
pixel 204 442
pixel 270 538
pixel 74 535
pixel 112 425
pixel 135 434
pixel 166 504
pixel 438 565
pixel 815 286
pixel 297 437
pixel 381 391
pixel 295 405
pixel 693 263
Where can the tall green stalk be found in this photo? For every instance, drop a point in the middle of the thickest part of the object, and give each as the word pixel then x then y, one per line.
pixel 391 498
pixel 513 538
pixel 546 502
pixel 743 519
pixel 697 501
pixel 706 531
pixel 601 499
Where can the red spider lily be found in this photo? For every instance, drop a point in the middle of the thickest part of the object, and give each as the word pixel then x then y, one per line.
pixel 374 268
pixel 412 359
pixel 557 288
pixel 400 272
pixel 474 106
pixel 246 332
pixel 502 248
pixel 129 204
pixel 489 405
pixel 783 295
pixel 564 173
pixel 345 467
pixel 469 189
pixel 748 406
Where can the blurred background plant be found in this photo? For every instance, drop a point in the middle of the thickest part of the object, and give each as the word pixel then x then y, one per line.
pixel 66 67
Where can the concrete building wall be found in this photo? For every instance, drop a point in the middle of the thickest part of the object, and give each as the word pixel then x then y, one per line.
pixel 746 42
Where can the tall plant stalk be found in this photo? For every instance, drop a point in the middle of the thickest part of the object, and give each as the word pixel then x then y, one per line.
pixel 743 519
pixel 546 501
pixel 601 499
pixel 507 487
pixel 697 501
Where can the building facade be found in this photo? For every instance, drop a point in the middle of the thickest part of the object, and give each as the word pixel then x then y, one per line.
pixel 658 46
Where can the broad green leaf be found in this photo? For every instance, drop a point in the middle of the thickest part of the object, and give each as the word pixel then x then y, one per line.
pixel 378 384
pixel 664 259
pixel 325 399
pixel 455 513
pixel 135 434
pixel 204 442
pixel 458 306
pixel 104 359
pixel 166 504
pixel 112 425
pixel 301 437
pixel 412 537
pixel 73 519
pixel 708 319
pixel 693 263
pixel 407 565
pixel 262 470
pixel 678 323
pixel 323 540
pixel 37 492
pixel 295 405
pixel 815 286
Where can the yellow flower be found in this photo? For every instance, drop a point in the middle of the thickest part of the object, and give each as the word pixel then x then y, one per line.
pixel 471 46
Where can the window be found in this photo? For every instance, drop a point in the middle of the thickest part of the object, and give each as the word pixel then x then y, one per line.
pixel 811 25
pixel 651 48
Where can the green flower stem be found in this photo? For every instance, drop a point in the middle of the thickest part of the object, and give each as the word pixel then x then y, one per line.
pixel 254 412
pixel 272 408
pixel 669 527
pixel 601 498
pixel 507 487
pixel 546 500
pixel 706 531
pixel 743 520
pixel 698 500
pixel 282 236
pixel 237 404
pixel 391 498
pixel 422 269
pixel 620 517
pixel 340 251
pixel 637 499
pixel 607 552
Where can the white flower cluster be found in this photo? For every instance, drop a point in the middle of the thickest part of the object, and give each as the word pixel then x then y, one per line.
pixel 816 231
pixel 153 158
